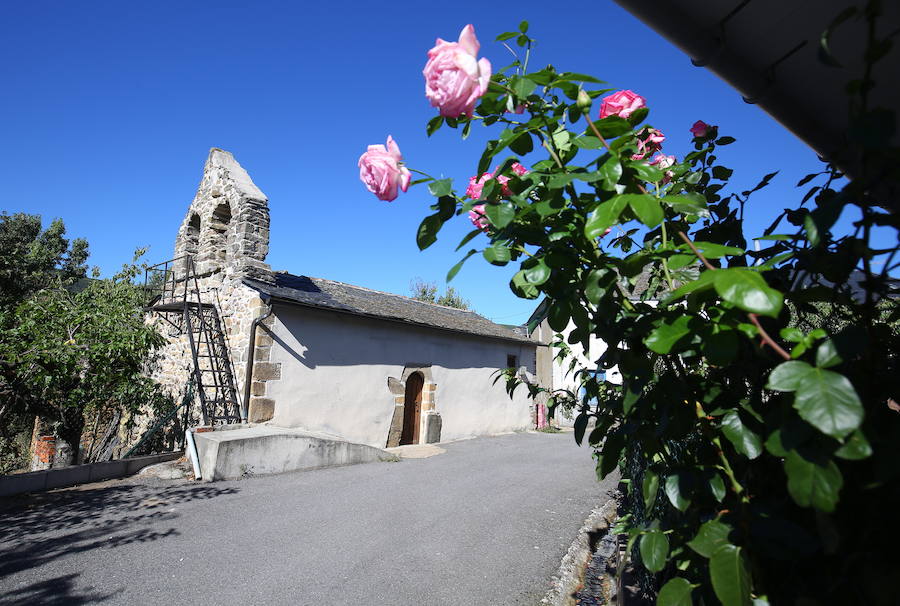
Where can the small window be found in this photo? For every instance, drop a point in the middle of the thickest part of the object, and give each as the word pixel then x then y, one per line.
pixel 512 361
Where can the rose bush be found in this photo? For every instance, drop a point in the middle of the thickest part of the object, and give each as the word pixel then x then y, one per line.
pixel 752 427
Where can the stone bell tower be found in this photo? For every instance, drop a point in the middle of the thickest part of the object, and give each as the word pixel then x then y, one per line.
pixel 226 229
pixel 226 234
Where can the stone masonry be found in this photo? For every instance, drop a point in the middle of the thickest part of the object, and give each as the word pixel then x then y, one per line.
pixel 226 232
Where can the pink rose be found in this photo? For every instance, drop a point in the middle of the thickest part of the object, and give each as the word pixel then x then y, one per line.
pixel 700 128
pixel 622 103
pixel 519 169
pixel 454 78
pixel 476 185
pixel 381 170
pixel 478 218
pixel 649 141
pixel 662 161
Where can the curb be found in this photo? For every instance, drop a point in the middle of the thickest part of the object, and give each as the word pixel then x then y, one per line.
pixel 570 575
pixel 40 481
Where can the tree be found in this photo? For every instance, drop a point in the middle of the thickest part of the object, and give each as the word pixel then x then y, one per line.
pixel 428 292
pixel 759 449
pixel 67 355
pixel 32 258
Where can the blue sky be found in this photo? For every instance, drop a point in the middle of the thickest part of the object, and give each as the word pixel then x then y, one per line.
pixel 109 110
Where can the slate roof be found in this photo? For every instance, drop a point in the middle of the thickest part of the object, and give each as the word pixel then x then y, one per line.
pixel 358 301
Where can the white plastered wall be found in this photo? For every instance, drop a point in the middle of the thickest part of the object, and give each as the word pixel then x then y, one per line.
pixel 335 369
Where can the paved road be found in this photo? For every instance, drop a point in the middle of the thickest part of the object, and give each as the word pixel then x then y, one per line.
pixel 485 523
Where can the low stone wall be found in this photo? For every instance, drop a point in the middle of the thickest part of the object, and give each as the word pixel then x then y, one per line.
pixel 233 452
pixel 39 481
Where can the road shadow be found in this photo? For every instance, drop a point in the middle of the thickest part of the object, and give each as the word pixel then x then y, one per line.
pixel 38 529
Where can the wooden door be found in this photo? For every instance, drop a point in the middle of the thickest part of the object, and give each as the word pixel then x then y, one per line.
pixel 412 409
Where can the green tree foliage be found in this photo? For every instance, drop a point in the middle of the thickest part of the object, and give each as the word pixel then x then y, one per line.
pixel 428 292
pixel 32 258
pixel 71 355
pixel 760 448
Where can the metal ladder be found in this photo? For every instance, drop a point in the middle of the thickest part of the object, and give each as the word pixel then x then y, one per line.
pixel 175 295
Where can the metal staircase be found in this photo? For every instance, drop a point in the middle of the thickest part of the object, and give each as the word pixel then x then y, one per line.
pixel 174 293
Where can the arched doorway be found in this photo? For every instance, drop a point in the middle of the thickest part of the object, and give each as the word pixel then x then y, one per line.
pixel 412 409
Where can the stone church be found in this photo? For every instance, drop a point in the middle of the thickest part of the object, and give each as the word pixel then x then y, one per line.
pixel 309 353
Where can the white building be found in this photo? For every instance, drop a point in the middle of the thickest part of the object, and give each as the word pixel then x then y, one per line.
pixel 292 351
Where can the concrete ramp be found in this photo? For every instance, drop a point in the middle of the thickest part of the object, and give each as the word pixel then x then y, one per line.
pixel 228 454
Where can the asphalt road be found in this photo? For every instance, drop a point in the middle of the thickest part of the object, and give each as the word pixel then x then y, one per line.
pixel 485 523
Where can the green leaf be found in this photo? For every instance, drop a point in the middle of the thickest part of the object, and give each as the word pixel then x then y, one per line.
pixel 654 550
pixel 428 229
pixel 612 126
pixel 581 422
pixel 520 286
pixel 787 375
pixel 638 116
pixel 587 142
pixel 455 269
pixel 559 315
pixel 576 77
pixel 687 204
pixel 711 250
pixel 673 490
pixel 676 592
pixel 811 484
pixel 522 86
pixel 646 172
pixel 827 401
pixel 712 535
pixel 730 579
pixel 856 447
pixel 646 208
pixel 593 288
pixel 434 124
pixel 443 187
pixel 538 273
pixel 610 171
pixel 721 173
pixel 606 215
pixel 468 237
pixel 649 489
pixel 523 26
pixel 827 355
pixel 701 283
pixel 664 337
pixel 747 290
pixel 506 36
pixel 500 214
pixel 725 140
pixel 497 254
pixel 744 440
pixel 523 144
pixel 610 454
pixel 717 487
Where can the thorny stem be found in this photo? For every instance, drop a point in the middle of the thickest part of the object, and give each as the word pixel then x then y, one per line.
pixel 413 170
pixel 696 252
pixel 553 153
pixel 753 317
pixel 767 339
pixel 726 466
pixel 665 262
